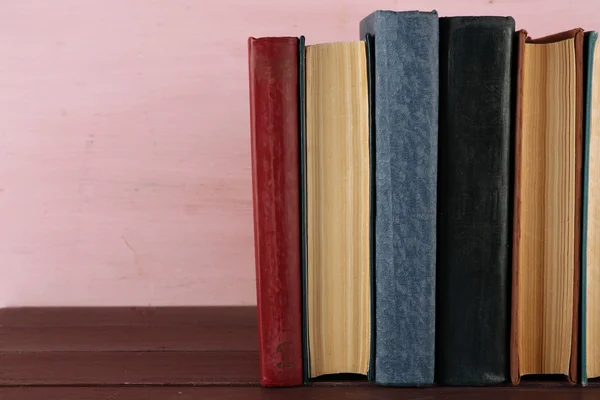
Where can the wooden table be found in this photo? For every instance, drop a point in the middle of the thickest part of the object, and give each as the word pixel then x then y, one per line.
pixel 177 353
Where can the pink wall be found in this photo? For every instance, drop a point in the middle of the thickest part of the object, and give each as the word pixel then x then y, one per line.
pixel 124 142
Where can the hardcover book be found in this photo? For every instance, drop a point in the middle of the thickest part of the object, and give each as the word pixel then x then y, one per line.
pixel 547 202
pixel 404 91
pixel 274 109
pixel 337 174
pixel 474 200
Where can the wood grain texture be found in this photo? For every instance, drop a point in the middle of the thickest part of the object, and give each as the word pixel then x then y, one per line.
pixel 333 393
pixel 338 219
pixel 216 316
pixel 593 232
pixel 547 209
pixel 47 373
pixel 128 329
pixel 130 368
pixel 100 346
pixel 128 338
pixel 124 139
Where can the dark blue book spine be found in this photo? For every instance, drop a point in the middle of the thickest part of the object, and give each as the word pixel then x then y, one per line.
pixel 405 150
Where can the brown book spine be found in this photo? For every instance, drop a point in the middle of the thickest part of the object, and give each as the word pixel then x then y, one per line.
pixel 515 376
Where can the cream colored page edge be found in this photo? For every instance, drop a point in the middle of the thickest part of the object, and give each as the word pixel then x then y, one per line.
pixel 364 288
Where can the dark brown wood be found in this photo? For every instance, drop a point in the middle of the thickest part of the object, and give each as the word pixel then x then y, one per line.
pixel 202 352
pixel 128 338
pixel 333 393
pixel 130 368
pixel 128 316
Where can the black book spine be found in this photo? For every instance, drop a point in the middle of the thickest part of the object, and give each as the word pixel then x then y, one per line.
pixel 474 200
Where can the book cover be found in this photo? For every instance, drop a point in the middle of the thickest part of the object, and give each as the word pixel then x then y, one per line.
pixel 550 249
pixel 474 200
pixel 590 40
pixel 274 109
pixel 405 86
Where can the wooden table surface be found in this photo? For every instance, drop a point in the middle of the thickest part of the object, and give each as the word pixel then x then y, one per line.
pixel 177 353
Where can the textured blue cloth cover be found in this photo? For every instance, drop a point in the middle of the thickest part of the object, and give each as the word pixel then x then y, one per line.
pixel 406 83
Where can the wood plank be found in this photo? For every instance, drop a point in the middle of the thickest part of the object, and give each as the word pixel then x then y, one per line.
pixel 128 329
pixel 237 393
pixel 232 316
pixel 128 338
pixel 130 368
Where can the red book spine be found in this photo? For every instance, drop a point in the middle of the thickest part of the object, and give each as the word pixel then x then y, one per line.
pixel 273 64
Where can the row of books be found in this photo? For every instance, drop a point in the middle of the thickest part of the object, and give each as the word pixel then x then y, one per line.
pixel 426 202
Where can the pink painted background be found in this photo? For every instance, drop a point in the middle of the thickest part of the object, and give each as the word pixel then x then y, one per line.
pixel 124 141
